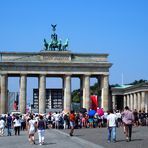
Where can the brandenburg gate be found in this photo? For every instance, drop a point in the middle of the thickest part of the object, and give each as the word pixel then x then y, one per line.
pixel 54 61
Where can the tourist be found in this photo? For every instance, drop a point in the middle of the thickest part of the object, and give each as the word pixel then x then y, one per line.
pixel 119 119
pixel 61 121
pixel 84 123
pixel 100 121
pixel 105 119
pixel 49 120
pixel 9 124
pixel 41 125
pixel 135 113
pixel 2 126
pixel 17 125
pixel 111 125
pixel 23 122
pixel 90 121
pixel 66 121
pixel 128 119
pixel 56 117
pixel 31 129
pixel 72 119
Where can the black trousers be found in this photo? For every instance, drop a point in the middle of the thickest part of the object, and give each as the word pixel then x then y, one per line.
pixel 129 130
pixel 17 130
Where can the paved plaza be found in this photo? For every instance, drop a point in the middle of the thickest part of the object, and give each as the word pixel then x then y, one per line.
pixel 87 138
pixel 99 137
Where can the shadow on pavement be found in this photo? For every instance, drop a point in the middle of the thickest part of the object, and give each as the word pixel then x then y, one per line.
pixel 137 140
pixel 77 135
pixel 50 143
pixel 130 141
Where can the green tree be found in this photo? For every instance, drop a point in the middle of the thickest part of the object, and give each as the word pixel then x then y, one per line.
pixel 76 96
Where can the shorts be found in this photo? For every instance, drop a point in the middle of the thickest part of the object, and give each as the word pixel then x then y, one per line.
pixel 90 120
pixel 72 124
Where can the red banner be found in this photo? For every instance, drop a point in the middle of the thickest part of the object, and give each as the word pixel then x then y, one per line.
pixel 14 105
pixel 94 102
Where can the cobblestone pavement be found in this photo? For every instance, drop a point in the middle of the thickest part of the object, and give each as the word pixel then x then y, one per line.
pixel 87 138
pixel 53 139
pixel 99 137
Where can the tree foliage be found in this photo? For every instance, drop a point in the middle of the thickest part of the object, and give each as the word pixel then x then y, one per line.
pixel 76 96
pixel 138 82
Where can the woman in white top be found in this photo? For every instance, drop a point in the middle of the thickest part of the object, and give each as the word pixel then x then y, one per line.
pixel 17 125
pixel 31 129
pixel 2 126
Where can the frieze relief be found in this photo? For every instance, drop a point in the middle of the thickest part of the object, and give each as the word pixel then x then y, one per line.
pixel 56 58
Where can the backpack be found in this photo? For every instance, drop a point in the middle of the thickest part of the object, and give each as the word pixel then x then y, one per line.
pixel 65 117
pixel 41 125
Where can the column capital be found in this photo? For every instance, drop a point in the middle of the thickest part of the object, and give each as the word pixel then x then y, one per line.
pixel 104 75
pixel 42 74
pixel 23 74
pixel 3 74
pixel 87 74
pixel 66 75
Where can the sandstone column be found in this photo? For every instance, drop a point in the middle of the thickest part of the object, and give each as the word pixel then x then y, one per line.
pixel 105 92
pixel 4 94
pixel 143 101
pixel 23 88
pixel 86 92
pixel 67 93
pixel 135 101
pixel 99 90
pixel 125 100
pixel 139 101
pixel 42 94
pixel 114 102
pixel 81 92
pixel 131 102
pixel 146 104
pixel 128 100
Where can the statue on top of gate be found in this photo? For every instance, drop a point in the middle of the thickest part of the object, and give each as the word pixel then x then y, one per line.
pixel 55 44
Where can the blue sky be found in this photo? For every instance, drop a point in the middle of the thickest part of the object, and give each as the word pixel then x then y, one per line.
pixel 117 27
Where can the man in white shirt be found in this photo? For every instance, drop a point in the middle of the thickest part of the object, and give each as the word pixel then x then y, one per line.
pixel 118 114
pixel 111 124
pixel 56 117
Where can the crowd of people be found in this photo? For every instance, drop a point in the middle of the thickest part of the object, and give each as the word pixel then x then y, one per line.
pixel 29 122
pixel 59 120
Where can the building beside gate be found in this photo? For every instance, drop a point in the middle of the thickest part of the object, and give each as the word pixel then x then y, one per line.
pixel 134 96
pixel 54 61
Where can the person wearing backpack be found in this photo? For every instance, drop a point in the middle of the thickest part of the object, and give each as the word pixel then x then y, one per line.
pixel 9 124
pixel 66 121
